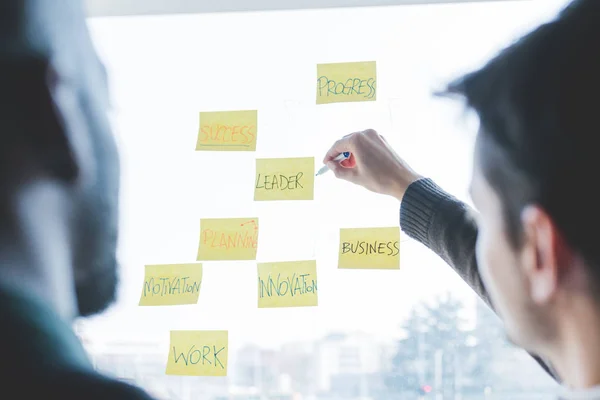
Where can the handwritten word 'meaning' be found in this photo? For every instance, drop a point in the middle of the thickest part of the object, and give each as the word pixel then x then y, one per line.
pixel 291 286
pixel 234 134
pixel 352 86
pixel 391 248
pixel 166 286
pixel 229 240
pixel 203 357
pixel 279 182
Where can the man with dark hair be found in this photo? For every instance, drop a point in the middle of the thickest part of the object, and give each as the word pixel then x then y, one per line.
pixel 59 180
pixel 534 245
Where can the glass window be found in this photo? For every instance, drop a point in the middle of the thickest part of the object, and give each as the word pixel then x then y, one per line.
pixel 375 334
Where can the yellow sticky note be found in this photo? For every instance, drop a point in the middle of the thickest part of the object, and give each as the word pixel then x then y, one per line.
pixel 370 248
pixel 172 284
pixel 198 353
pixel 228 239
pixel 227 131
pixel 345 82
pixel 284 179
pixel 287 284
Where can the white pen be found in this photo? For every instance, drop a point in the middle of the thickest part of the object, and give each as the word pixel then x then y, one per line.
pixel 343 156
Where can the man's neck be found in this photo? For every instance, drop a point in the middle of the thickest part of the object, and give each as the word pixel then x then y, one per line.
pixel 34 249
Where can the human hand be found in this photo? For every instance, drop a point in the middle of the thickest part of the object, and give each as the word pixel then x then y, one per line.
pixel 373 164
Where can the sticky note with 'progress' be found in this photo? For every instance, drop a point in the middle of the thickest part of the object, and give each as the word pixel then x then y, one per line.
pixel 198 353
pixel 284 179
pixel 346 82
pixel 287 284
pixel 227 131
pixel 171 284
pixel 228 239
pixel 369 248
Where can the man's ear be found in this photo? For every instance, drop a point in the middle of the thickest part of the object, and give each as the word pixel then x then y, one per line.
pixel 545 253
pixel 35 119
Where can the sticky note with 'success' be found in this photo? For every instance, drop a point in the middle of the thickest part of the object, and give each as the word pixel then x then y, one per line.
pixel 198 353
pixel 346 82
pixel 284 179
pixel 287 284
pixel 228 131
pixel 228 239
pixel 171 284
pixel 369 248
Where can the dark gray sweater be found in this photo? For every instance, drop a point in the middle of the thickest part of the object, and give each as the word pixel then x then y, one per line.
pixel 446 225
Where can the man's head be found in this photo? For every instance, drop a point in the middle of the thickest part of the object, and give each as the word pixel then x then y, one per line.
pixel 535 171
pixel 55 132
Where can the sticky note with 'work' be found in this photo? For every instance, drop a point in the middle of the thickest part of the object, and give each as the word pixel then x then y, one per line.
pixel 228 239
pixel 284 179
pixel 369 248
pixel 346 82
pixel 287 284
pixel 198 353
pixel 228 131
pixel 171 284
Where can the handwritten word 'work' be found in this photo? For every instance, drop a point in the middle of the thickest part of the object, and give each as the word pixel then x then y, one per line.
pixel 227 131
pixel 228 239
pixel 284 179
pixel 171 284
pixel 198 353
pixel 370 248
pixel 346 82
pixel 287 284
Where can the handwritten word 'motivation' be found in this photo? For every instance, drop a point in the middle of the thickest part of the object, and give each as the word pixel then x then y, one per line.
pixel 370 248
pixel 228 131
pixel 284 179
pixel 228 239
pixel 171 284
pixel 198 353
pixel 287 284
pixel 346 82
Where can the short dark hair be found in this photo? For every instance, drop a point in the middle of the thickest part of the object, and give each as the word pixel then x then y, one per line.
pixel 538 103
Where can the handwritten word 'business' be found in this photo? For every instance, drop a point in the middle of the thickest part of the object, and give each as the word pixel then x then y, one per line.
pixel 390 248
pixel 351 86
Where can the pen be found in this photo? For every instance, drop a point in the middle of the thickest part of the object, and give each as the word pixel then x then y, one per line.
pixel 343 156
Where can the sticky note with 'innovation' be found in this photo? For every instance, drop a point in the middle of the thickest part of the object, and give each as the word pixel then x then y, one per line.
pixel 228 239
pixel 369 248
pixel 346 82
pixel 284 179
pixel 227 131
pixel 171 284
pixel 198 353
pixel 287 284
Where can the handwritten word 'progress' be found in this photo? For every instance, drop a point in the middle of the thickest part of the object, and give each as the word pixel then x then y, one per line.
pixel 346 82
pixel 198 353
pixel 363 247
pixel 172 284
pixel 228 239
pixel 352 86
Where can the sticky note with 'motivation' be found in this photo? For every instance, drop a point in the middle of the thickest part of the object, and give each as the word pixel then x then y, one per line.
pixel 284 179
pixel 228 239
pixel 198 353
pixel 171 284
pixel 287 284
pixel 369 248
pixel 346 82
pixel 227 131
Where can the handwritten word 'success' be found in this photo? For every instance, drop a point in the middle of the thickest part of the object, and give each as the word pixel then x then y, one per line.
pixel 284 179
pixel 287 284
pixel 228 239
pixel 198 353
pixel 166 285
pixel 227 131
pixel 370 248
pixel 346 82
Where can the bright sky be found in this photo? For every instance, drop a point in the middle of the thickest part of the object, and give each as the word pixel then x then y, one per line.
pixel 165 69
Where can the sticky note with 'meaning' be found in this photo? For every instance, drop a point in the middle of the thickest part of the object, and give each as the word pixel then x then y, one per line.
pixel 369 248
pixel 171 284
pixel 284 179
pixel 198 353
pixel 228 131
pixel 228 239
pixel 346 82
pixel 287 284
